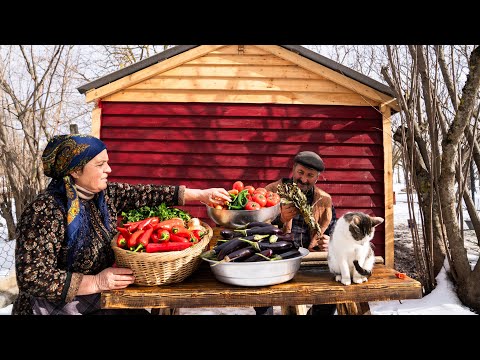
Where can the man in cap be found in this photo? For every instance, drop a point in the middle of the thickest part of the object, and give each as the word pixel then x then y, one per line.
pixel 306 170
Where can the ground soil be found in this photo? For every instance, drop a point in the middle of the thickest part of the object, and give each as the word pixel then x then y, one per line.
pixel 404 258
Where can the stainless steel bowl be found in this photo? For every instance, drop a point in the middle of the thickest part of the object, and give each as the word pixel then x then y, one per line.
pixel 260 273
pixel 236 218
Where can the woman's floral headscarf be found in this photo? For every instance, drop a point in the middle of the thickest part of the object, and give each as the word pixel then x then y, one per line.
pixel 63 155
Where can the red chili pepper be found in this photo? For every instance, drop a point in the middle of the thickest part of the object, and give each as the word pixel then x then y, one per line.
pixel 132 226
pixel 178 238
pixel 146 222
pixel 182 231
pixel 163 235
pixel 199 234
pixel 167 246
pixel 145 238
pixel 132 241
pixel 126 234
pixel 121 241
pixel 167 224
pixel 154 237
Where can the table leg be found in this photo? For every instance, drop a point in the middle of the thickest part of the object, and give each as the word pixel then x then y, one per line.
pixel 166 311
pixel 361 308
pixel 294 310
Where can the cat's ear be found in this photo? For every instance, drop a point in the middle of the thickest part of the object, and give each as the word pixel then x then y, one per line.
pixel 356 219
pixel 377 220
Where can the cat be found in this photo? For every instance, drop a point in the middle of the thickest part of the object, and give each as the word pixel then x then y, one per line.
pixel 350 253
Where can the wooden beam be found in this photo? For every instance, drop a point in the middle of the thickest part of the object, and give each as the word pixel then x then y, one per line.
pixel 388 184
pixel 150 71
pixel 332 75
pixel 212 96
pixel 96 121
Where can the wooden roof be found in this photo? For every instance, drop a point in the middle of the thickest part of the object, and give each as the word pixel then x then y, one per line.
pixel 133 74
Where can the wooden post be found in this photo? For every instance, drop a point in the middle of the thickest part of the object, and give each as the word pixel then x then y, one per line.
pixel 388 184
pixel 73 129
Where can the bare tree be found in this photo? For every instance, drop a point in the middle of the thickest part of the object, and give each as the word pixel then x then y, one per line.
pixel 35 89
pixel 438 92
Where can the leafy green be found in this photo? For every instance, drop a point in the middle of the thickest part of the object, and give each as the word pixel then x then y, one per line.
pixel 163 212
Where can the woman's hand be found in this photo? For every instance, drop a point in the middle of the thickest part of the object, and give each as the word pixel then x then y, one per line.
pixel 114 278
pixel 217 196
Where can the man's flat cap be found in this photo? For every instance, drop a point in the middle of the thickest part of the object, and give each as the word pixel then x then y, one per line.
pixel 310 160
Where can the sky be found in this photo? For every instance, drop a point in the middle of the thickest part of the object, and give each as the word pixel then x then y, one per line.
pixel 441 301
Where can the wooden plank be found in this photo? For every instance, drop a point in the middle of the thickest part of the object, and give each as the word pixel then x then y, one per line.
pixel 233 59
pixel 240 135
pixel 233 96
pixel 168 173
pixel 192 109
pixel 153 146
pixel 327 73
pixel 96 121
pixel 246 49
pixel 141 157
pixel 150 71
pixel 312 285
pixel 157 123
pixel 239 83
pixel 388 183
pixel 241 70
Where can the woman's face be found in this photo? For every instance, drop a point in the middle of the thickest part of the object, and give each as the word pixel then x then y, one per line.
pixel 304 177
pixel 94 174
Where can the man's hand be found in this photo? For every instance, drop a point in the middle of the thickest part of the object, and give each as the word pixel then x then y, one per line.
pixel 287 212
pixel 321 242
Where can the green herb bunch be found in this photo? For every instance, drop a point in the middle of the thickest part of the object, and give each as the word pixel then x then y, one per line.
pixel 292 193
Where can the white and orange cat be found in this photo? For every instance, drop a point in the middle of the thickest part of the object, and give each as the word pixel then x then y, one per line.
pixel 350 253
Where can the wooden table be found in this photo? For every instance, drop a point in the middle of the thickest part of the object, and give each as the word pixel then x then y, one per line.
pixel 311 285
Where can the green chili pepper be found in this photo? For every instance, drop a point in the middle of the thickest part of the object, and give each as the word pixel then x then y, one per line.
pixel 238 201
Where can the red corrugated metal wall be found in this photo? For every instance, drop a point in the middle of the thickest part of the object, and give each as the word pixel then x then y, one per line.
pixel 212 145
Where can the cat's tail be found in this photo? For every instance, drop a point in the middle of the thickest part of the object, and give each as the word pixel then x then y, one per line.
pixel 361 270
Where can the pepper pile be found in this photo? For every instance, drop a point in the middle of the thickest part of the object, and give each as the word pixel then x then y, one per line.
pixel 152 235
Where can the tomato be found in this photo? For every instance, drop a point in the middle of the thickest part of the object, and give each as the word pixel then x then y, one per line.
pixel 238 185
pixel 250 189
pixel 272 199
pixel 252 205
pixel 260 190
pixel 260 199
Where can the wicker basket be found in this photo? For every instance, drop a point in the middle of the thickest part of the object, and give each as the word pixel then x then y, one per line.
pixel 163 267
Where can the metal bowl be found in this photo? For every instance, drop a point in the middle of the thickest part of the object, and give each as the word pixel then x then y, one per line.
pixel 259 273
pixel 236 218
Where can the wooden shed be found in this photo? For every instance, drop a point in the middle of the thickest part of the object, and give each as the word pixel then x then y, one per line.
pixel 208 115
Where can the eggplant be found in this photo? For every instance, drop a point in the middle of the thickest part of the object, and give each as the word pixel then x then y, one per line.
pixel 257 224
pixel 231 246
pixel 219 245
pixel 260 230
pixel 277 247
pixel 255 237
pixel 258 256
pixel 239 254
pixel 288 254
pixel 285 236
pixel 228 234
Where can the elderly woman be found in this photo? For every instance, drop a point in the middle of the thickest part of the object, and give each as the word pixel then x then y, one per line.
pixel 63 257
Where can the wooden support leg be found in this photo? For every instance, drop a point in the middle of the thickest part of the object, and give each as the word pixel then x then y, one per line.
pixel 361 308
pixel 166 311
pixel 294 310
